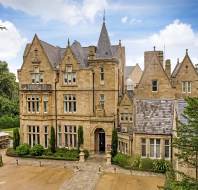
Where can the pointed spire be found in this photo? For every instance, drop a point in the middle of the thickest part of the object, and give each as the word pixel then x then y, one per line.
pixel 104 44
pixel 186 51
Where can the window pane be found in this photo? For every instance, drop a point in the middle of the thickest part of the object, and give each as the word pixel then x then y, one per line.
pixel 46 141
pixel 151 147
pixel 30 139
pixel 70 140
pixel 75 141
pixel 66 141
pixel 157 148
pixel 143 147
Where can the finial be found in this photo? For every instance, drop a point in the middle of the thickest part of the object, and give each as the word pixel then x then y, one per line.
pixel 68 43
pixel 154 48
pixel 177 60
pixel 186 51
pixel 120 42
pixel 104 16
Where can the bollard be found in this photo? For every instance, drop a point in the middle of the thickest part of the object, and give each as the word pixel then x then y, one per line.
pixel 99 169
pixel 114 170
pixel 40 163
pixel 17 162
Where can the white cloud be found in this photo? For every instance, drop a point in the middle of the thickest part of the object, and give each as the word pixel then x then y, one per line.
pixel 174 38
pixel 71 12
pixel 11 41
pixel 132 21
pixel 124 19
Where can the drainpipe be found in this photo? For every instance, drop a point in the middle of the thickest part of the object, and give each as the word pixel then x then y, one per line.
pixel 56 81
pixel 93 90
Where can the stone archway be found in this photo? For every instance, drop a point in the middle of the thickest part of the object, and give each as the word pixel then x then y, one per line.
pixel 99 140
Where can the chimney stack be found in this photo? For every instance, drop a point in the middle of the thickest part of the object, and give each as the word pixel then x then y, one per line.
pixel 168 67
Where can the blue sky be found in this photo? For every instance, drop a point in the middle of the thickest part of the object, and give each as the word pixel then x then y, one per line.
pixel 140 24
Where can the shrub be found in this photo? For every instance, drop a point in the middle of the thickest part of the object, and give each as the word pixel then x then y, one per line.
pixel 114 142
pixel 80 136
pixel 135 161
pixel 16 138
pixel 23 149
pixel 86 153
pixel 52 140
pixel 37 150
pixel 146 164
pixel 67 154
pixel 71 154
pixel 47 152
pixel 122 160
pixel 161 166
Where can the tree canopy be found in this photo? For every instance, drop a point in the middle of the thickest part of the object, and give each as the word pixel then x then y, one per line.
pixel 8 91
pixel 9 99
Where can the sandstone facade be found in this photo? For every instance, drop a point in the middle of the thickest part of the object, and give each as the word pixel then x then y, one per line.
pixel 86 86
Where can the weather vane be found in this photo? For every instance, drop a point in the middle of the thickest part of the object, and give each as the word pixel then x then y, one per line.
pixel 104 16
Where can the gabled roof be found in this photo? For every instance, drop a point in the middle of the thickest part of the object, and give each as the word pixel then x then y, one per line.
pixel 155 60
pixel 55 54
pixel 178 66
pixel 126 99
pixel 104 45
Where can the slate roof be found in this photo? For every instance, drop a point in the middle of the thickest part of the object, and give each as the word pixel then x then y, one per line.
pixel 104 50
pixel 128 70
pixel 154 116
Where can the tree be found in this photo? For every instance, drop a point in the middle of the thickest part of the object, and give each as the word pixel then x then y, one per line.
pixel 52 140
pixel 186 142
pixel 9 99
pixel 16 138
pixel 114 142
pixel 80 136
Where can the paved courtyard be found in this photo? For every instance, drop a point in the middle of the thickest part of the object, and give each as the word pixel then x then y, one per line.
pixel 110 181
pixel 62 175
pixel 31 176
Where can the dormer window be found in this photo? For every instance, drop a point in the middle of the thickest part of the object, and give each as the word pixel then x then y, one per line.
pixel 154 85
pixel 69 76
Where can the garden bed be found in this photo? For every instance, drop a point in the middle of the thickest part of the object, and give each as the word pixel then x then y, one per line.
pixel 60 154
pixel 141 164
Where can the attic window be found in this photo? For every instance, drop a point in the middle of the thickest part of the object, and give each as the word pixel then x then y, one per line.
pixel 106 53
pixel 154 85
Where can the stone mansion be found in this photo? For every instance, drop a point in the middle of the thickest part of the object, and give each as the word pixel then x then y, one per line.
pixel 93 88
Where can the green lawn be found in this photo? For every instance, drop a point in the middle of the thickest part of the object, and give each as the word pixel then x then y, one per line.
pixel 8 130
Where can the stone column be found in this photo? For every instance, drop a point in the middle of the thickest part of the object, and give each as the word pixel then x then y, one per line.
pixel 108 157
pixel 81 155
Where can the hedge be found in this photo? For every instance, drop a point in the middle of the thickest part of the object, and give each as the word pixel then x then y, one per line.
pixel 36 152
pixel 142 164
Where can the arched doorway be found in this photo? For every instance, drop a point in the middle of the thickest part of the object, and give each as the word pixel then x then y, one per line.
pixel 99 136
